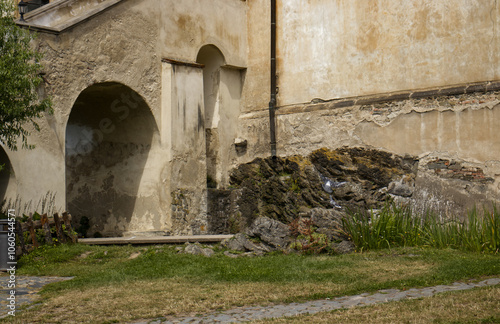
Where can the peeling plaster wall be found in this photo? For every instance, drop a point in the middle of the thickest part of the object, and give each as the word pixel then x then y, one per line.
pixel 125 44
pixel 115 46
pixel 351 50
pixel 458 131
pixel 459 135
pixel 113 161
pixel 326 50
pixel 464 130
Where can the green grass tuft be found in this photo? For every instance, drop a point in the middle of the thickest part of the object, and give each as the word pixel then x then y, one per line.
pixel 396 225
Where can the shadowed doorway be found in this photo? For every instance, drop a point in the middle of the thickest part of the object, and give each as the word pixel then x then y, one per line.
pixel 109 136
pixel 7 177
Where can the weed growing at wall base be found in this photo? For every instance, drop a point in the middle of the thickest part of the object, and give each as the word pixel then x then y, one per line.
pixel 397 225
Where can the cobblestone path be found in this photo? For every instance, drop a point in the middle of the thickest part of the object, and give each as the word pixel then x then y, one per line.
pixel 26 290
pixel 243 314
pixel 28 287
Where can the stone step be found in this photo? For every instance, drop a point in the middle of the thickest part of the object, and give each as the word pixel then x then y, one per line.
pixel 154 239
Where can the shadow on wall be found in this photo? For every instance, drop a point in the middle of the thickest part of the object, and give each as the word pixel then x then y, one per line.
pixel 7 177
pixel 213 59
pixel 108 138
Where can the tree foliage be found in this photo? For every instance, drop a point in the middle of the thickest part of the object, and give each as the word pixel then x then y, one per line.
pixel 20 104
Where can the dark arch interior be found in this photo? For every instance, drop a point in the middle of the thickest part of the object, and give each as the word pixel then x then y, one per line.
pixel 6 174
pixel 108 137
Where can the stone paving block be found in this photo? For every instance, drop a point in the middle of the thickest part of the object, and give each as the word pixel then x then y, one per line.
pixel 440 287
pixel 370 302
pixel 388 291
pixel 400 295
pixel 189 320
pixel 491 282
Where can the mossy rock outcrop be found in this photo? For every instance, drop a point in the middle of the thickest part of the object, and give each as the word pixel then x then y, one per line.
pixel 284 188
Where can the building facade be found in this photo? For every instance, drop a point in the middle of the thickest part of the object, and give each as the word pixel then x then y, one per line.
pixel 154 100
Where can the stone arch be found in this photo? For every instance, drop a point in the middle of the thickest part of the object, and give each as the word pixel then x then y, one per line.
pixel 212 59
pixel 110 135
pixel 7 177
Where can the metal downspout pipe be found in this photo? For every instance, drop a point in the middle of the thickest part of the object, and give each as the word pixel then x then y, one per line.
pixel 272 102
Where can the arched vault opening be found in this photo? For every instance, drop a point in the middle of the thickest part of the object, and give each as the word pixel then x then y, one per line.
pixel 7 177
pixel 109 137
pixel 213 59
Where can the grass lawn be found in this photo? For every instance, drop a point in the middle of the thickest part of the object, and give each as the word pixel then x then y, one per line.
pixel 110 286
pixel 471 306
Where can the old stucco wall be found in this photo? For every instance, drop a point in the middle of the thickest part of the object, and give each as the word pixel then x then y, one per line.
pixel 185 142
pixel 117 46
pixel 189 24
pixel 326 50
pixel 453 137
pixel 123 47
pixel 358 51
pixel 333 49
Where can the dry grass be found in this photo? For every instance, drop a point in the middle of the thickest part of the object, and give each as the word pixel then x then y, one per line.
pixel 164 297
pixel 111 287
pixel 472 306
pixel 152 299
pixel 388 271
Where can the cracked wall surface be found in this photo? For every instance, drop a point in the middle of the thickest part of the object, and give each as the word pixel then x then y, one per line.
pixel 127 181
pixel 345 74
pixel 458 130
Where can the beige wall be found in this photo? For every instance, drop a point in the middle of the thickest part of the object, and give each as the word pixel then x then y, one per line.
pixel 124 42
pixel 334 48
pixel 470 133
pixel 188 25
pixel 326 49
pixel 185 172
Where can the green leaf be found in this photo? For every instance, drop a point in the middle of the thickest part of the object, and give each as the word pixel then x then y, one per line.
pixel 20 104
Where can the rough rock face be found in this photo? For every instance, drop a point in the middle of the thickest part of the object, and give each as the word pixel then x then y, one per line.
pixel 242 242
pixel 284 189
pixel 270 231
pixel 344 247
pixel 328 222
pixel 267 235
pixel 197 249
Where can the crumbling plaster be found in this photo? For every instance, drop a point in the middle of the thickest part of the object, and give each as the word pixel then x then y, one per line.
pixel 459 129
pixel 326 50
pixel 125 44
pixel 357 49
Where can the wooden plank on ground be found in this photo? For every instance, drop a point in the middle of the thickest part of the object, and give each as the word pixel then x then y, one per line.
pixel 154 239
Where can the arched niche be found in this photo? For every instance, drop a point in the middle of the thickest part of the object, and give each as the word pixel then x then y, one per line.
pixel 212 58
pixel 109 135
pixel 7 176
